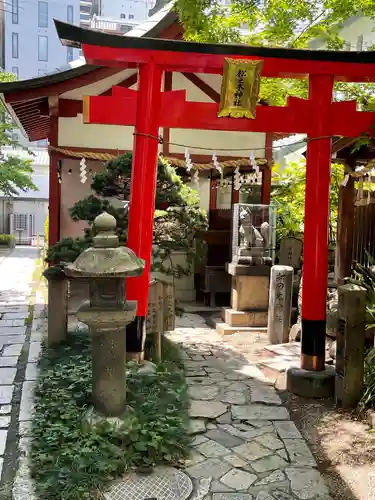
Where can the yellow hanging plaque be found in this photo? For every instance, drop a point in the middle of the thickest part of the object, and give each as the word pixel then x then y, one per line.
pixel 240 88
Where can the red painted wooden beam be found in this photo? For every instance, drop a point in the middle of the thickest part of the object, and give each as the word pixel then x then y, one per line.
pixel 176 112
pixel 191 62
pixel 69 108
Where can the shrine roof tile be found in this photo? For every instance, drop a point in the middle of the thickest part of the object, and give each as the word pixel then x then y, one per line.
pixel 75 36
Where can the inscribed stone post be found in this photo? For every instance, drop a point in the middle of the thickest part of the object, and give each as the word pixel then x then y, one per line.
pixel 280 304
pixel 291 252
pixel 350 347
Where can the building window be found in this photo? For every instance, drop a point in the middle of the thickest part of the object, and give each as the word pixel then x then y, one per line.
pixel 42 48
pixel 69 54
pixel 15 70
pixel 20 222
pixel 43 14
pixel 70 14
pixel 122 16
pixel 15 11
pixel 131 16
pixel 15 45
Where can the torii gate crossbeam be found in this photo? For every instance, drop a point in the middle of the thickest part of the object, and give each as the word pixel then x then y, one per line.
pixel 149 108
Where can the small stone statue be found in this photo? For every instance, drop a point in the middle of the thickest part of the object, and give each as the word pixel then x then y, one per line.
pixel 265 231
pixel 253 243
pixel 249 236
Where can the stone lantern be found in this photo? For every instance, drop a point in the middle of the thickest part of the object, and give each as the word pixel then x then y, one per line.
pixel 105 266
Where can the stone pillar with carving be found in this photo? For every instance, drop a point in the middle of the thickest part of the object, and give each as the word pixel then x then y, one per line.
pixel 105 266
pixel 350 347
pixel 280 304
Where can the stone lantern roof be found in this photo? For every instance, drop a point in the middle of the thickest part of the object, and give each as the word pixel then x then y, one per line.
pixel 106 258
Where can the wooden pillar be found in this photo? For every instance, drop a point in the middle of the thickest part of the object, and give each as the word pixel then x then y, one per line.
pixel 235 193
pixel 315 255
pixel 345 228
pixel 213 192
pixel 54 186
pixel 166 131
pixel 267 171
pixel 142 196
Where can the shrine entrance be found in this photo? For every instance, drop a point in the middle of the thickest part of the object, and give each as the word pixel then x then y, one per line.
pixel 149 108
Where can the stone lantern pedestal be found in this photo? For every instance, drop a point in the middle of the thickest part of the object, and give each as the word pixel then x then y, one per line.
pixel 105 266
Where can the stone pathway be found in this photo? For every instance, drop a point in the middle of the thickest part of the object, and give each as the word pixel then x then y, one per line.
pixel 19 351
pixel 245 445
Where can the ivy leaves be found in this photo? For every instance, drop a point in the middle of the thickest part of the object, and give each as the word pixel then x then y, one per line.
pixel 70 460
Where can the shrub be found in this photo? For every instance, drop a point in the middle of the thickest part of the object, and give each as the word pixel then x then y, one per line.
pixel 368 398
pixel 178 216
pixel 7 240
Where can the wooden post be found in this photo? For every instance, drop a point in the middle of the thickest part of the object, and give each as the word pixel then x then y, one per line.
pixel 213 192
pixel 142 197
pixel 315 248
pixel 54 186
pixel 267 171
pixel 345 228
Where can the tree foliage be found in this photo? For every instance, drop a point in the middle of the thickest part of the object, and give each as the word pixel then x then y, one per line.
pixel 15 172
pixel 289 195
pixel 278 23
pixel 177 220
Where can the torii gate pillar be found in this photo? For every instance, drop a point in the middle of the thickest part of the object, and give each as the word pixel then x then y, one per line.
pixel 313 379
pixel 142 197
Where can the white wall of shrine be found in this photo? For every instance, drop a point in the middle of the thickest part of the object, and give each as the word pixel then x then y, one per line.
pixel 72 190
pixel 74 133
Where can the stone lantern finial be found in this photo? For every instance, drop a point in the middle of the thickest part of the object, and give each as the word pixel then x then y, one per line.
pixel 105 227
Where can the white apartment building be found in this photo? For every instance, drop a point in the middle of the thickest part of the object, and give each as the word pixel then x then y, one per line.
pixel 30 43
pixel 123 10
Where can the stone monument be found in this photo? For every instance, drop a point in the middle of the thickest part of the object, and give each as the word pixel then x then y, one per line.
pixel 350 346
pixel 106 265
pixel 252 237
pixel 280 304
pixel 291 252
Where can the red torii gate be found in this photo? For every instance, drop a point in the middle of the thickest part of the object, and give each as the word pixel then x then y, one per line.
pixel 149 108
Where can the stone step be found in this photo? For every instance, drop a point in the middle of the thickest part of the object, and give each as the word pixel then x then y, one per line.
pixel 244 318
pixel 225 329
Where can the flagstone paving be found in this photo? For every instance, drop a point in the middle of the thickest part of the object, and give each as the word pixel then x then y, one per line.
pixel 245 446
pixel 19 351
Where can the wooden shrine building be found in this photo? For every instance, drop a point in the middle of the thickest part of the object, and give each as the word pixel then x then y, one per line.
pixel 153 106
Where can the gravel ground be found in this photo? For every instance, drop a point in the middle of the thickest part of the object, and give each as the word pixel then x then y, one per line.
pixel 342 443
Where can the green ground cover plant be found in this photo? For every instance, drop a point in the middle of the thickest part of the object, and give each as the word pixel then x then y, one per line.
pixel 72 461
